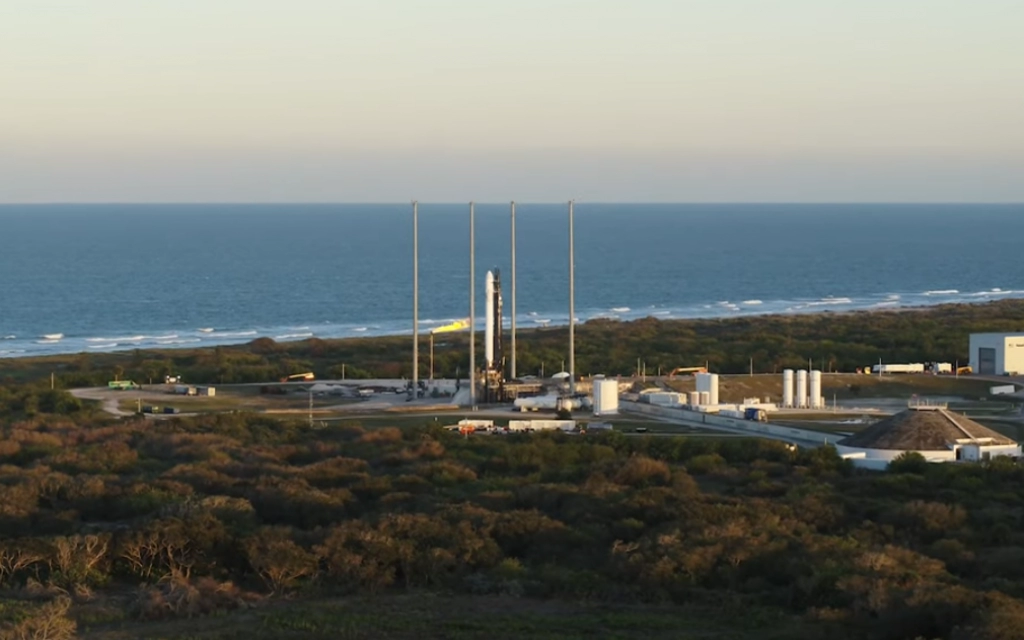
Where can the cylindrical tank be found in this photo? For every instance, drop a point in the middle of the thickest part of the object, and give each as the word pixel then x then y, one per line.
pixel 705 398
pixel 787 388
pixel 713 400
pixel 815 392
pixel 695 398
pixel 801 389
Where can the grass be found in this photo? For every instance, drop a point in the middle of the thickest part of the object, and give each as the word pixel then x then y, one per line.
pixel 428 616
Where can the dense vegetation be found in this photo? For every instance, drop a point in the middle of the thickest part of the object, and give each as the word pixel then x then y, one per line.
pixel 108 523
pixel 839 342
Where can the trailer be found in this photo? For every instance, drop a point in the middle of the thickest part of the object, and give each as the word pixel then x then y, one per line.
pixel 122 385
pixel 916 367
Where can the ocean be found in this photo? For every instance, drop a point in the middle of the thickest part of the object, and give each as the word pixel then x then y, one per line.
pixel 91 278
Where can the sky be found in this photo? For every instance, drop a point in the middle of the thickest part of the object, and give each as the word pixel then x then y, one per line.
pixel 493 100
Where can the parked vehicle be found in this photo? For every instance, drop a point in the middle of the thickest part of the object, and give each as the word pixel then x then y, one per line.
pixel 755 414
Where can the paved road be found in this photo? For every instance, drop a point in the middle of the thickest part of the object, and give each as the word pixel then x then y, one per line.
pixel 720 428
pixel 104 396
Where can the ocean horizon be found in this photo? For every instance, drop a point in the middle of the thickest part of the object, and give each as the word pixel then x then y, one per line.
pixel 108 277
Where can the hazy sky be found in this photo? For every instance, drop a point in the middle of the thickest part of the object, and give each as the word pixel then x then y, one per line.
pixel 452 100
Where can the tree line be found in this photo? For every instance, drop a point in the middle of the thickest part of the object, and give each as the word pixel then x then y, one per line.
pixel 210 514
pixel 833 341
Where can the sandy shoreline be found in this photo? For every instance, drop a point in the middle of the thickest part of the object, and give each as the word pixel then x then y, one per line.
pixel 1013 304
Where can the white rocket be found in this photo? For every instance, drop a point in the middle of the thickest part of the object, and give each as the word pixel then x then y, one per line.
pixel 489 321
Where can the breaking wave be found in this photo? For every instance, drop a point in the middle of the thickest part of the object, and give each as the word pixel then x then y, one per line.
pixel 293 336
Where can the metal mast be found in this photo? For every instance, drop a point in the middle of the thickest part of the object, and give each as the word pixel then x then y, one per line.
pixel 415 300
pixel 513 362
pixel 572 307
pixel 472 310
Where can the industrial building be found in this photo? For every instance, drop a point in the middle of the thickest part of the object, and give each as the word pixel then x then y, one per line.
pixel 606 397
pixel 933 431
pixel 997 354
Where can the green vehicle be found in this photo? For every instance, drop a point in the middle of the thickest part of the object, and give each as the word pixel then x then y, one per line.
pixel 122 385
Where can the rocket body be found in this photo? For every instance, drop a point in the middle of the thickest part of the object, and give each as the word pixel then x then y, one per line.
pixel 489 321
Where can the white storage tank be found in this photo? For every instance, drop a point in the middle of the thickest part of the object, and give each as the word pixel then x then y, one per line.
pixel 695 398
pixel 708 382
pixel 787 388
pixel 816 390
pixel 801 389
pixel 705 398
pixel 606 397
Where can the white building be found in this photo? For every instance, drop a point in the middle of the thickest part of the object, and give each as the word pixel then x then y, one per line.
pixel 541 425
pixel 997 353
pixel 606 397
pixel 937 434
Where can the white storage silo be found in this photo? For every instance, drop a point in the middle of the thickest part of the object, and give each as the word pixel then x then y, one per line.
pixel 801 389
pixel 787 388
pixel 606 397
pixel 708 383
pixel 815 389
pixel 705 398
pixel 695 398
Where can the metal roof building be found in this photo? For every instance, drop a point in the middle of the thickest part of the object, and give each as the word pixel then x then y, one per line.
pixel 997 354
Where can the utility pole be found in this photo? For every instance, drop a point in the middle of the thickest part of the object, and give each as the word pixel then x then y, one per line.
pixel 472 310
pixel 342 370
pixel 51 381
pixel 751 367
pixel 572 306
pixel 513 362
pixel 415 305
pixel 311 408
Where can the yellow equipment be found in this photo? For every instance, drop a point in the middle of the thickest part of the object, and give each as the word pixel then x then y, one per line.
pixel 299 377
pixel 964 370
pixel 458 325
pixel 673 372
